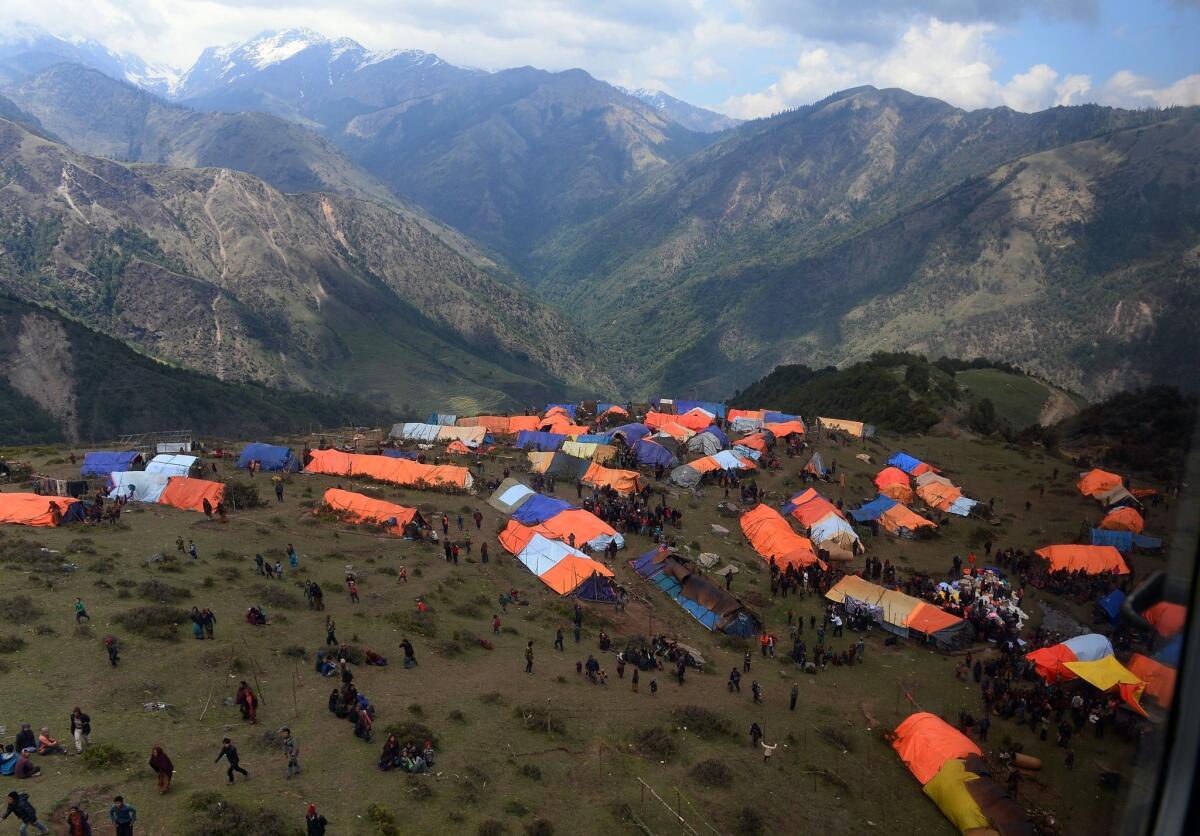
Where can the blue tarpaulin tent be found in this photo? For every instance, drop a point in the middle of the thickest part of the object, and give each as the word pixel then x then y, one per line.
pixel 534 440
pixel 411 455
pixel 442 420
pixel 717 409
pixel 269 456
pixel 770 417
pixel 1124 541
pixel 1111 604
pixel 593 438
pixel 704 600
pixel 629 433
pixel 874 509
pixel 905 462
pixel 104 462
pixel 539 508
pixel 652 454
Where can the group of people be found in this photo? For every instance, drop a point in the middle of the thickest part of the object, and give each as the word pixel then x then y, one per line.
pixel 203 623
pixel 409 757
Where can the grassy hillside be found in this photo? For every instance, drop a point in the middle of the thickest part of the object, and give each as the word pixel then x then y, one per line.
pixel 62 380
pixel 1020 400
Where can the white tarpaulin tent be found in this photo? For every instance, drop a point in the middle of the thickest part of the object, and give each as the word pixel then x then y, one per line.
pixel 147 487
pixel 172 464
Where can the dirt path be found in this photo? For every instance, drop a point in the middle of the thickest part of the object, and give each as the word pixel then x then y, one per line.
pixel 1057 407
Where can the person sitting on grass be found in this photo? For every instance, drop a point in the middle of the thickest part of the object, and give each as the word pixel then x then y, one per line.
pixel 25 768
pixel 391 751
pixel 8 760
pixel 47 745
pixel 25 741
pixel 257 616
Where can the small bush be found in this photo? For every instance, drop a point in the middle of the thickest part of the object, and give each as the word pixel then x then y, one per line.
pixel 19 609
pixel 295 651
pixel 516 808
pixel 538 718
pixel 105 756
pixel 424 625
pixel 457 716
pixel 163 593
pixel 277 596
pixel 229 573
pixel 655 743
pixel 712 773
pixel 242 496
pixel 702 722
pixel 213 815
pixel 539 827
pixel 531 771
pixel 420 789
pixel 153 622
pixel 492 698
pixel 410 731
pixel 11 644
pixel 749 823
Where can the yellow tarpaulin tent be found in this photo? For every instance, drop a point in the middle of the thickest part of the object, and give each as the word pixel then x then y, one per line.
pixel 948 789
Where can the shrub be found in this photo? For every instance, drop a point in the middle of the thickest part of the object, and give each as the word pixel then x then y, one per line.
pixel 419 789
pixel 702 722
pixel 492 827
pixel 277 596
pixel 153 622
pixel 539 827
pixel 419 625
pixel 655 743
pixel 213 815
pixel 242 496
pixel 105 756
pixel 516 808
pixel 492 698
pixel 162 593
pixel 19 609
pixel 11 644
pixel 749 823
pixel 712 773
pixel 457 716
pixel 410 731
pixel 531 771
pixel 538 718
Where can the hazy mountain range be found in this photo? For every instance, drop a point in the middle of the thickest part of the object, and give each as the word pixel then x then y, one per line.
pixel 397 212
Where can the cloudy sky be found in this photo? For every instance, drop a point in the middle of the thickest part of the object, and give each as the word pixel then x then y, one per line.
pixel 743 57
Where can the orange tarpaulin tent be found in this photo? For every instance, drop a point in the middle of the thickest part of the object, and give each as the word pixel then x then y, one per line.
pixel 457 446
pixel 517 423
pixel 515 536
pixel 571 571
pixel 893 482
pixel 1049 662
pixel 772 537
pixel 387 469
pixel 811 508
pixel 785 428
pixel 32 509
pixel 696 420
pixel 925 742
pixel 929 619
pixel 1159 679
pixel 1091 560
pixel 1096 483
pixel 621 481
pixel 1123 519
pixel 756 441
pixel 938 496
pixel 354 507
pixel 189 494
pixel 676 431
pixel 900 516
pixel 585 525
pixel 1167 619
pixel 495 424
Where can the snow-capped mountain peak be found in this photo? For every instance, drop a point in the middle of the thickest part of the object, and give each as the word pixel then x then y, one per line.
pixel 273 47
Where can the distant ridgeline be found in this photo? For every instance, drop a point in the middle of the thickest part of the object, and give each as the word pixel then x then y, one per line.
pixel 60 380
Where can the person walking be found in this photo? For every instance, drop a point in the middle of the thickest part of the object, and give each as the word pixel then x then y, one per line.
pixel 291 751
pixel 210 622
pixel 77 823
pixel 293 558
pixel 19 806
pixel 529 657
pixel 634 679
pixel 478 520
pixel 352 590
pixel 495 624
pixel 330 635
pixel 230 753
pixel 768 750
pixel 164 770
pixel 278 488
pixel 110 645
pixel 558 638
pixel 410 655
pixel 81 729
pixel 122 815
pixel 192 549
pixel 794 696
pixel 81 613
pixel 756 735
pixel 314 821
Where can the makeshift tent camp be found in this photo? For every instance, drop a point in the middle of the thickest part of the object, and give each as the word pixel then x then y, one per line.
pixel 925 742
pixel 190 494
pixel 696 420
pixel 494 424
pixel 711 407
pixel 909 464
pixel 704 600
pixel 901 614
pixel 441 419
pixel 1159 678
pixel 1124 541
pixel 387 469
pixel 816 466
pixel 567 410
pixel 895 517
pixel 269 457
pixel 745 420
pixel 41 511
pixel 1119 496
pixel 138 485
pixel 893 482
pixel 825 523
pixel 566 570
pixel 172 464
pixel 690 474
pixel 1106 674
pixel 622 481
pixel 782 429
pixel 601 453
pixel 533 440
pixel 558 465
pixel 857 429
pixel 706 443
pixel 629 433
pixel 1097 483
pixel 100 463
pixel 772 537
pixel 537 508
pixel 1049 661
pixel 511 495
pixel 470 436
pixel 1123 518
pixel 953 773
pixel 938 493
pixel 1091 560
pixel 650 453
pixel 675 431
pixel 356 508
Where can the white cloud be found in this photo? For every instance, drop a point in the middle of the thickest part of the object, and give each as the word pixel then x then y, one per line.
pixel 1073 89
pixel 1031 90
pixel 1128 89
pixel 706 69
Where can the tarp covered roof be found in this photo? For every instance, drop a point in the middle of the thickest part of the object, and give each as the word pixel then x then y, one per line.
pixel 534 440
pixel 103 462
pixel 1091 560
pixel 925 742
pixel 893 482
pixel 354 507
pixel 1123 518
pixel 35 510
pixel 189 494
pixel 1095 483
pixel 270 456
pixel 1159 678
pixel 147 486
pixel 538 508
pixel 387 469
pixel 172 464
pixel 621 481
pixel 772 537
